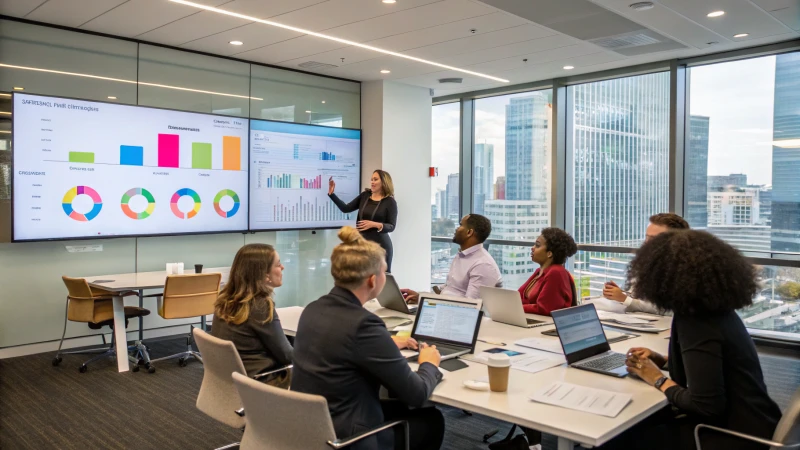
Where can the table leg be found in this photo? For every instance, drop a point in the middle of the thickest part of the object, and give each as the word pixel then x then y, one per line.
pixel 120 335
pixel 565 444
pixel 141 319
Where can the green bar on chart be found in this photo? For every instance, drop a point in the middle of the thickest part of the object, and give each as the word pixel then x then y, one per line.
pixel 201 155
pixel 81 157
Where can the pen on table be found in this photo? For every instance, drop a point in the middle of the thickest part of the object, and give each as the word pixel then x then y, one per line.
pixel 492 342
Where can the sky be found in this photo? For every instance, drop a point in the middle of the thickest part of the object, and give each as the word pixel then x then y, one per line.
pixel 737 96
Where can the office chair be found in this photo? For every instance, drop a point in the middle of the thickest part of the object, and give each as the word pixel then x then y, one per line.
pixel 303 421
pixel 786 435
pixel 187 296
pixel 94 307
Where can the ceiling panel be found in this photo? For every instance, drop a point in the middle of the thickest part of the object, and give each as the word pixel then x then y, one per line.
pixel 482 41
pixel 19 8
pixel 72 13
pixel 191 28
pixel 265 9
pixel 517 49
pixel 741 16
pixel 135 17
pixel 565 54
pixel 335 13
pixel 254 35
pixel 787 11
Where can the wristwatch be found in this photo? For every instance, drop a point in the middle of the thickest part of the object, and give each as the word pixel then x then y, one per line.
pixel 660 382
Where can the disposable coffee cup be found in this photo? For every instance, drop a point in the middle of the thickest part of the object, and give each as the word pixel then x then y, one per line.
pixel 499 366
pixel 179 268
pixel 198 268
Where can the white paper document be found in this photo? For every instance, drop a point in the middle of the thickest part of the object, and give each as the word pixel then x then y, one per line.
pixel 552 345
pixel 537 362
pixel 581 398
pixel 604 304
pixel 290 317
pixel 620 318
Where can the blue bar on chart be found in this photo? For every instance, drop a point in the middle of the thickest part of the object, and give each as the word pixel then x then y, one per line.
pixel 296 151
pixel 326 156
pixel 130 155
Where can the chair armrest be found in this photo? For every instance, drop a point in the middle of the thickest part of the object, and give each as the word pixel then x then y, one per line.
pixel 740 436
pixel 264 374
pixel 160 294
pixel 240 412
pixel 341 443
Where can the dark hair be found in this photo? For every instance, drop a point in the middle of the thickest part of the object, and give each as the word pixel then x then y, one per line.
pixel 692 273
pixel 560 244
pixel 481 225
pixel 386 181
pixel 670 220
pixel 247 288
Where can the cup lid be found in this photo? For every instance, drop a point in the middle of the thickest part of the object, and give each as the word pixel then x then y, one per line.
pixel 499 360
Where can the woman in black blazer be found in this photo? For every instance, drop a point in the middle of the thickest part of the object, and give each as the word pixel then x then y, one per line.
pixel 714 373
pixel 377 211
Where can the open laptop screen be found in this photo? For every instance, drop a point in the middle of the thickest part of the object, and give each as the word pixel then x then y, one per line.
pixel 579 328
pixel 447 320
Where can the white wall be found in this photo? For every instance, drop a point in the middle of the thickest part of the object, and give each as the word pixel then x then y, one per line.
pixel 396 119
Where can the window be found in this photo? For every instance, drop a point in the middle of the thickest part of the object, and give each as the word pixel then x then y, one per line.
pixel 776 308
pixel 618 141
pixel 742 157
pixel 445 206
pixel 591 270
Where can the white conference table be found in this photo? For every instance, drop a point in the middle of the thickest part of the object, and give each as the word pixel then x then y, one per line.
pixel 139 281
pixel 571 427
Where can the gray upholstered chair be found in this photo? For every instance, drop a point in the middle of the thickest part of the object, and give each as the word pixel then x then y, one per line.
pixel 786 435
pixel 278 419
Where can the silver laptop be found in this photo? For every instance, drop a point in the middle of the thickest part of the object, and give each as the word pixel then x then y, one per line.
pixel 449 323
pixel 584 342
pixel 391 297
pixel 505 306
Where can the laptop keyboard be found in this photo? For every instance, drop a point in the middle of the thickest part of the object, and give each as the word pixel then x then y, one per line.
pixel 608 362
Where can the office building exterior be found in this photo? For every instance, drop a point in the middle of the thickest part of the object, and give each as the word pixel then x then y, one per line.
pixel 452 197
pixel 785 218
pixel 696 172
pixel 528 147
pixel 483 176
pixel 725 182
pixel 500 188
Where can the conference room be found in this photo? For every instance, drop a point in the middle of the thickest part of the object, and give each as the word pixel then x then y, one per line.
pixel 154 152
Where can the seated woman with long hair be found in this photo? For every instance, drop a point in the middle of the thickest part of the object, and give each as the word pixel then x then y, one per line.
pixel 244 313
pixel 344 353
pixel 714 372
pixel 551 287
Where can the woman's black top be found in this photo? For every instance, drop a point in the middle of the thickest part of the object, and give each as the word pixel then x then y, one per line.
pixel 383 211
pixel 715 364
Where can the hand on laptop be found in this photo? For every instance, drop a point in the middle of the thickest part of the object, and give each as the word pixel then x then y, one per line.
pixel 613 292
pixel 411 297
pixel 646 353
pixel 405 342
pixel 429 354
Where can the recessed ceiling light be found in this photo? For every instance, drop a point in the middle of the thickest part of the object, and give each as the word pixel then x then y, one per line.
pixel 308 112
pixel 389 2
pixel 715 14
pixel 569 67
pixel 335 39
pixel 111 97
pixel 19 88
pixel 236 43
pixel 642 6
pixel 712 43
pixel 323 101
pixel 741 35
pixel 386 71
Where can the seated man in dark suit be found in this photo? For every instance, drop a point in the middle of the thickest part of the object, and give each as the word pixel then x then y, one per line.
pixel 345 353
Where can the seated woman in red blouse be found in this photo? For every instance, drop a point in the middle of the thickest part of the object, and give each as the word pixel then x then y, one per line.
pixel 551 287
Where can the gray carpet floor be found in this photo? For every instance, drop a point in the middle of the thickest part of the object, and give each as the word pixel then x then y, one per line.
pixel 46 407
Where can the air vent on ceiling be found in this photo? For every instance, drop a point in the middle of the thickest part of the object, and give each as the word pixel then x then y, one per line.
pixel 314 65
pixel 451 80
pixel 624 41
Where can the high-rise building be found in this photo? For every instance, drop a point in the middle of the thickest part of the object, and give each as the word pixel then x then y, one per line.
pixel 734 207
pixel 726 182
pixel 483 175
pixel 500 188
pixel 452 197
pixel 516 220
pixel 441 204
pixel 528 147
pixel 620 135
pixel 786 161
pixel 696 172
pixel 765 197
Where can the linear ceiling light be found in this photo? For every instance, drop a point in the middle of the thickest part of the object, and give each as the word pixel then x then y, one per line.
pixel 121 80
pixel 787 143
pixel 332 38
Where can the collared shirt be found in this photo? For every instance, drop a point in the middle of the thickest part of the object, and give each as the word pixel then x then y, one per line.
pixel 471 269
pixel 636 305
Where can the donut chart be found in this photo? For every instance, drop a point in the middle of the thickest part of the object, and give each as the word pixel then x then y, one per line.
pixel 66 203
pixel 173 203
pixel 126 198
pixel 220 195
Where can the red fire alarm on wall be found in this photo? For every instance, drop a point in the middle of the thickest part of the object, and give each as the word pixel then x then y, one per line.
pixel 433 171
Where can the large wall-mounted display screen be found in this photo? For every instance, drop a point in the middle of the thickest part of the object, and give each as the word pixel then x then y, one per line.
pixel 290 167
pixel 89 169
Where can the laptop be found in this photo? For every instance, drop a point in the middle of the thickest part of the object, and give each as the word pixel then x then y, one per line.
pixel 505 306
pixel 449 323
pixel 391 297
pixel 584 342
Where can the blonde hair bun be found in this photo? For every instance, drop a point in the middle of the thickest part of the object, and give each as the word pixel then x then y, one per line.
pixel 349 235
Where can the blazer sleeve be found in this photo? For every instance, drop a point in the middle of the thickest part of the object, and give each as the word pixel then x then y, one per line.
pixel 556 288
pixel 346 207
pixel 391 216
pixel 378 355
pixel 272 337
pixel 701 350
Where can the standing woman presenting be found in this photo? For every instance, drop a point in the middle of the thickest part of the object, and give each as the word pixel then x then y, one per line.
pixel 377 211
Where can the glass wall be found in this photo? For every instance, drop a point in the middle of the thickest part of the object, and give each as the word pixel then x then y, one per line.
pixel 445 187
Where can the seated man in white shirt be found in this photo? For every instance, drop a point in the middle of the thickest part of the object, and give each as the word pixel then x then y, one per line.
pixel 473 267
pixel 659 223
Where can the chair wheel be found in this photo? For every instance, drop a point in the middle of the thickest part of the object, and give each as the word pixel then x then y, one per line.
pixel 56 360
pixel 151 369
pixel 135 368
pixel 83 368
pixel 182 362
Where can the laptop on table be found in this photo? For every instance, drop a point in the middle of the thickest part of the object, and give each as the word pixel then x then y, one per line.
pixel 449 323
pixel 584 342
pixel 391 297
pixel 505 306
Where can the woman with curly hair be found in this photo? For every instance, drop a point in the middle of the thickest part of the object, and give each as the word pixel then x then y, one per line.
pixel 551 287
pixel 714 373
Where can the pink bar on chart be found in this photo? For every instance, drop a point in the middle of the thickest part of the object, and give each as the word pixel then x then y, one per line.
pixel 168 150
